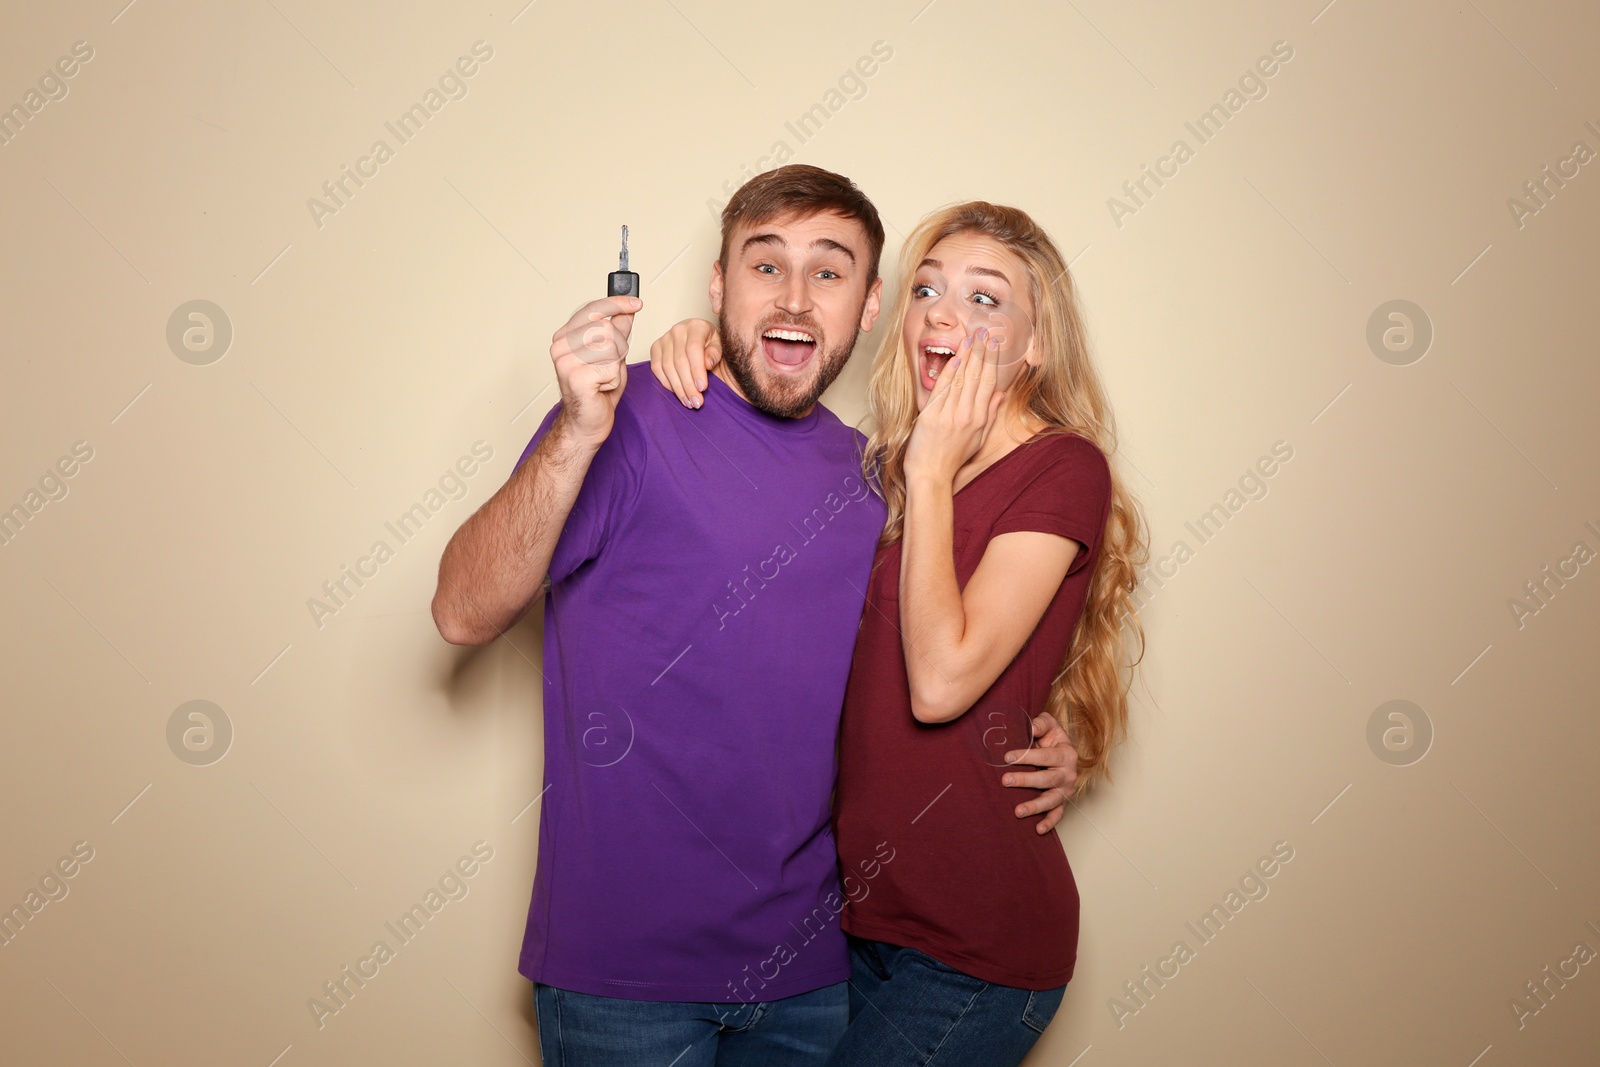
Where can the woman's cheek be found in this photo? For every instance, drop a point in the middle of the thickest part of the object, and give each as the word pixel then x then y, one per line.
pixel 1009 373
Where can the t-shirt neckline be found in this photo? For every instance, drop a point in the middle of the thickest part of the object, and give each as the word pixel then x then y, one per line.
pixel 1035 439
pixel 715 386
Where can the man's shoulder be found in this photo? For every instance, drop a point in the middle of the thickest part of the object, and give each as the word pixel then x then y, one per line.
pixel 642 388
pixel 628 444
pixel 642 398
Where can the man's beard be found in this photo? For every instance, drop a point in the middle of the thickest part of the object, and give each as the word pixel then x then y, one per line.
pixel 785 396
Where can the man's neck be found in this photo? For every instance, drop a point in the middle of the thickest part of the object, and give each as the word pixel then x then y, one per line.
pixel 721 371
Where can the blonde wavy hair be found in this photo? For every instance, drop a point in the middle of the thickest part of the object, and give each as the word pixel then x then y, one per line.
pixel 1088 696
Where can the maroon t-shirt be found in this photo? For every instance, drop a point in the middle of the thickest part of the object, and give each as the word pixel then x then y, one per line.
pixel 931 851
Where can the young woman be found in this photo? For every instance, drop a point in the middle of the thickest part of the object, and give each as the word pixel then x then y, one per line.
pixel 1002 586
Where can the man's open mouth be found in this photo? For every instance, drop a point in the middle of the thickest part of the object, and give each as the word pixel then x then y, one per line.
pixel 788 347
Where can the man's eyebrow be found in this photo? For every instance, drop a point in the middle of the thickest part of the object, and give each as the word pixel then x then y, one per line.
pixel 776 239
pixel 830 243
pixel 762 239
pixel 989 271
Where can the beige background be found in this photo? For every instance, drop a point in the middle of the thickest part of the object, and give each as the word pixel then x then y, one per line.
pixel 1229 312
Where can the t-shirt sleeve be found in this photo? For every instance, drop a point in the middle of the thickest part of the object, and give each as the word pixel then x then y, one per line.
pixel 610 488
pixel 1067 493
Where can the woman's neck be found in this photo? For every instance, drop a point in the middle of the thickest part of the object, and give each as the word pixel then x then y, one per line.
pixel 1012 427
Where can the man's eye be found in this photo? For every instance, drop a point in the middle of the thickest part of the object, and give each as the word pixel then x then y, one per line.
pixel 767 267
pixel 826 274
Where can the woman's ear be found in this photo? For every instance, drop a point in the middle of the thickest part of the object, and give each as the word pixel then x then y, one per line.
pixel 1031 356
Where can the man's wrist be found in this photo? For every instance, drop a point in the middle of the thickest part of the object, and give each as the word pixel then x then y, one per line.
pixel 571 441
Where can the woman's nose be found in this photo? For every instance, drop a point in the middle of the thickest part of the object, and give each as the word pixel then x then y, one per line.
pixel 942 315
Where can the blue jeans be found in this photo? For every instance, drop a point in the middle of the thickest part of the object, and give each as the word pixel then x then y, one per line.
pixel 908 1008
pixel 581 1030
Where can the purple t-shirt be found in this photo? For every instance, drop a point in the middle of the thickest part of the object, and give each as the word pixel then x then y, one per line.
pixel 705 597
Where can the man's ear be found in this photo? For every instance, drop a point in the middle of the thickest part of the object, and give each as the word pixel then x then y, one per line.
pixel 716 288
pixel 869 310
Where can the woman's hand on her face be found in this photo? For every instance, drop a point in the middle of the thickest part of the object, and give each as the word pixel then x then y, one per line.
pixel 952 427
pixel 681 357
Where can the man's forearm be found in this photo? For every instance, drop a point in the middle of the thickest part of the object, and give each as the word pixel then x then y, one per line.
pixel 495 564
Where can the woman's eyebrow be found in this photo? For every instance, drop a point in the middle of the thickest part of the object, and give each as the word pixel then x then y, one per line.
pixel 989 271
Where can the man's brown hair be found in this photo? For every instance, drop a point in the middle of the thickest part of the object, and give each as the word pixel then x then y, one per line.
pixel 801 190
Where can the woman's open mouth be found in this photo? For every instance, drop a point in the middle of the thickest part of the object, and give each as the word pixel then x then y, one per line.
pixel 931 360
pixel 788 349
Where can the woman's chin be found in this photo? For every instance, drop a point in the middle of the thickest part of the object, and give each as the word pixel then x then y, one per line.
pixel 920 390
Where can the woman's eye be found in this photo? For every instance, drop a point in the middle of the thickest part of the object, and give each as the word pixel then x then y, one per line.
pixel 922 290
pixel 988 299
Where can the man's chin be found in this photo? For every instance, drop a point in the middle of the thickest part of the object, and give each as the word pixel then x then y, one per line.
pixel 781 390
pixel 783 393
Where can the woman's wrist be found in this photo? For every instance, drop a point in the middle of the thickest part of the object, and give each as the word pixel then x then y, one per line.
pixel 921 483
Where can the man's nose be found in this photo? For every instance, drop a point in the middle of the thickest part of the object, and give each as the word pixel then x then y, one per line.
pixel 795 298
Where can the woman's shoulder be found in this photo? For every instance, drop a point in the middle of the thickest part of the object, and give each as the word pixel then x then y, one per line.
pixel 1065 452
pixel 1062 481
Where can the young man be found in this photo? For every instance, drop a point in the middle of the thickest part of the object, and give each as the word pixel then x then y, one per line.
pixel 707 573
